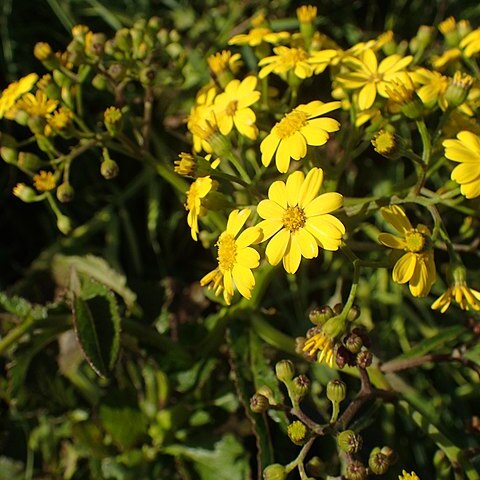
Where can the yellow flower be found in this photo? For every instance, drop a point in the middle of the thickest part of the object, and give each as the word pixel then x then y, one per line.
pixel 466 151
pixel 224 61
pixel 471 43
pixel 301 127
pixel 296 60
pixel 37 105
pixel 258 35
pixel 14 91
pixel 298 220
pixel 60 120
pixel 306 13
pixel 416 266
pixel 467 298
pixel 185 165
pixel 408 476
pixel 447 57
pixel 232 107
pixel 323 343
pixel 370 77
pixel 198 190
pixel 201 120
pixel 44 181
pixel 236 259
pixel 432 85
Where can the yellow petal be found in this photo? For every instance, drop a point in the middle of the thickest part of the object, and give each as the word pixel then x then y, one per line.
pixel 466 172
pixel 277 246
pixel 391 241
pixel 278 193
pixel 321 224
pixel 470 140
pixel 248 257
pixel 268 228
pixel 296 146
pixel 370 60
pixel 367 96
pixel 307 243
pixel 268 147
pixel 236 220
pixel 471 190
pixel 310 186
pixel 270 209
pixel 317 108
pixel 314 136
pixel 294 183
pixel 292 257
pixel 282 157
pixel 228 284
pixel 404 268
pixel 248 236
pixel 244 280
pixel 396 217
pixel 325 203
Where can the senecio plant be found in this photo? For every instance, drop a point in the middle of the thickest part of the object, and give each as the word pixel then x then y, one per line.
pixel 345 162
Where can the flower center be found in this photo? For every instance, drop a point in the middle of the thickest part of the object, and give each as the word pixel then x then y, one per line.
pixel 295 55
pixel 227 251
pixel 293 218
pixel 415 241
pixel 291 123
pixel 231 108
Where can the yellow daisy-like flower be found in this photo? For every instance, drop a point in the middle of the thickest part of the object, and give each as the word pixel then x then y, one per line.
pixel 306 13
pixel 416 266
pixel 467 298
pixel 301 127
pixel 236 259
pixel 44 181
pixel 323 343
pixel 60 120
pixel 14 91
pixel 408 476
pixel 232 107
pixel 224 61
pixel 258 35
pixel 431 85
pixel 201 120
pixel 370 77
pixel 471 43
pixel 198 190
pixel 37 105
pixel 298 220
pixel 466 151
pixel 446 58
pixel 296 60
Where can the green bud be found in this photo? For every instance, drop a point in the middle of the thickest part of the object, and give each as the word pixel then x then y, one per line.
pixel 123 40
pixel 353 313
pixel 25 193
pixel 300 386
pixel 268 393
pixel 154 23
pixel 284 370
pixel 378 463
pixel 336 390
pixel 64 224
pixel 318 316
pixel 65 192
pixel 315 467
pixel 337 308
pixel 100 82
pixel 37 124
pixel 275 472
pixel 109 168
pixel 147 76
pixel 95 43
pixel 349 441
pixel 29 161
pixel 297 432
pixel 353 343
pixel 364 359
pixel 458 88
pixel 389 452
pixel 9 155
pixel 116 71
pixel 259 403
pixel 356 471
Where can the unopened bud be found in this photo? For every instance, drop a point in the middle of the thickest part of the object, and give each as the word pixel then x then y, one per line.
pixel 25 193
pixel 356 471
pixel 109 169
pixel 29 161
pixel 64 224
pixel 297 432
pixel 336 391
pixel 259 403
pixel 318 316
pixel 349 441
pixel 300 386
pixel 275 472
pixel 353 313
pixel 284 370
pixel 65 192
pixel 364 359
pixel 378 463
pixel 99 82
pixel 315 467
pixel 344 357
pixel 458 88
pixel 9 155
pixel 337 308
pixel 353 343
pixel 267 393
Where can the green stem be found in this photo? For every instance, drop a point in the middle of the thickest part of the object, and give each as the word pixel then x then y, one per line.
pixel 273 336
pixel 426 154
pixel 16 333
pixel 243 173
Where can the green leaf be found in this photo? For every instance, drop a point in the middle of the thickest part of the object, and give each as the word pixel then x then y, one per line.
pixel 21 307
pixel 11 469
pixel 95 268
pixel 227 460
pixel 97 326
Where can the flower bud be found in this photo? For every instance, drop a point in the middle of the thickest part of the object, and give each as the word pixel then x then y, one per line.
pixel 315 467
pixel 109 168
pixel 116 71
pixel 43 52
pixel 300 386
pixel 458 88
pixel 113 118
pixel 337 308
pixel 364 359
pixel 353 313
pixel 267 393
pixel 353 343
pixel 9 155
pixel 259 403
pixel 147 76
pixel 65 192
pixel 284 370
pixel 344 357
pixel 378 462
pixel 29 161
pixel 336 391
pixel 64 224
pixel 356 471
pixel 297 432
pixel 318 316
pixel 275 472
pixel 95 43
pixel 349 441
pixel 100 82
pixel 363 334
pixel 24 193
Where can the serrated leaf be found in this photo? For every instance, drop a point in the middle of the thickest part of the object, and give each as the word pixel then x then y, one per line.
pixel 227 460
pixel 96 268
pixel 21 307
pixel 97 326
